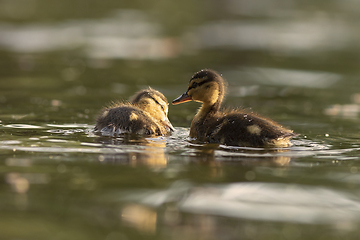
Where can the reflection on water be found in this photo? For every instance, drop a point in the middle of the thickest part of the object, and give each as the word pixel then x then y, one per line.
pixel 256 201
pixel 149 152
pixel 140 217
pixel 290 203
pixel 214 155
pixel 350 110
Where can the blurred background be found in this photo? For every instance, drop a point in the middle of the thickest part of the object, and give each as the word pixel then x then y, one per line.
pixel 294 61
pixel 79 55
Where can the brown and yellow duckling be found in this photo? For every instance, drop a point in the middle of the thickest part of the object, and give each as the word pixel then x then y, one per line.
pixel 231 127
pixel 145 113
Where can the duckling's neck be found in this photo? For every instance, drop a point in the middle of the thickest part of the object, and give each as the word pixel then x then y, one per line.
pixel 211 102
pixel 207 110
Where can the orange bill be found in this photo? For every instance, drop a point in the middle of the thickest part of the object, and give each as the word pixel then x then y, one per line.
pixel 183 98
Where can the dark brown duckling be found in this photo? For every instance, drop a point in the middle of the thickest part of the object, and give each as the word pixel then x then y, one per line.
pixel 235 127
pixel 145 113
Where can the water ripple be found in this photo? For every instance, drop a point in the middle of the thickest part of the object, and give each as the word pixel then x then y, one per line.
pixel 25 126
pixel 176 145
pixel 257 201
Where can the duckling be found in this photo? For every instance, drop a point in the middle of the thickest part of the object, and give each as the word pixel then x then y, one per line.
pixel 234 127
pixel 145 113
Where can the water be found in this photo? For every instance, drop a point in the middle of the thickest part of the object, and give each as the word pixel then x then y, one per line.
pixel 294 62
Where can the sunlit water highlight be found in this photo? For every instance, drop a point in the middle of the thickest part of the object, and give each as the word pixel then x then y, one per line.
pixel 177 143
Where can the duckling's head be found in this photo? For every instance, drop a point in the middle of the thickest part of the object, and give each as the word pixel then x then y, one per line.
pixel 154 103
pixel 206 86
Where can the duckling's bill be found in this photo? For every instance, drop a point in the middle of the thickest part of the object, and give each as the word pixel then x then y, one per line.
pixel 181 99
pixel 168 125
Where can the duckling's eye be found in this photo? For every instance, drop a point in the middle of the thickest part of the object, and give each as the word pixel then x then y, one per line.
pixel 194 85
pixel 162 106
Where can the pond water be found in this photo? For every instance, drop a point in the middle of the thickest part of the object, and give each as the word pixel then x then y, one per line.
pixel 293 61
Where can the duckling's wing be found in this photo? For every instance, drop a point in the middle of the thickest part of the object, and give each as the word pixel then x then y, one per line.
pixel 238 129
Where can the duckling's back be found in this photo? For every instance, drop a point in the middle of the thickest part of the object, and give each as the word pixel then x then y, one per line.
pixel 241 129
pixel 127 119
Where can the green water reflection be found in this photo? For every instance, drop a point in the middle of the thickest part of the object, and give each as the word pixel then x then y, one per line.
pixel 295 62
